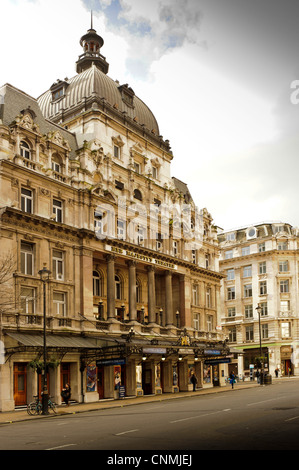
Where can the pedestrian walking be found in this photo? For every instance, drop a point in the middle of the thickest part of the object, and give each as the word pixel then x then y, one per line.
pixel 232 379
pixel 276 372
pixel 66 394
pixel 258 376
pixel 193 380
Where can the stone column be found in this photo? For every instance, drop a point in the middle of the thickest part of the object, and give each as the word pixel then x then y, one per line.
pixel 168 298
pixel 151 294
pixel 110 287
pixel 132 290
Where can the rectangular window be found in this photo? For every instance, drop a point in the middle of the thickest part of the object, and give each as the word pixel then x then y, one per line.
pixel 98 222
pixel 57 210
pixel 284 306
pixel 195 296
pixel 116 152
pixel 231 312
pixel 28 300
pixel 58 265
pixel 141 235
pixel 27 200
pixel 230 236
pixel 207 260
pixel 209 297
pixel 56 167
pixel 210 322
pixel 247 271
pixel 248 310
pixel 120 229
pixel 283 266
pixel 155 172
pixel 248 290
pixel 265 331
pixel 196 321
pixel 284 286
pixel 263 267
pixel 175 247
pixel 264 309
pixel 282 246
pixel 232 335
pixel 231 294
pixel 59 303
pixel 263 287
pixel 137 167
pixel 285 330
pixel 249 333
pixel 262 247
pixel 245 250
pixel 193 256
pixel 27 259
pixel 228 254
pixel 230 274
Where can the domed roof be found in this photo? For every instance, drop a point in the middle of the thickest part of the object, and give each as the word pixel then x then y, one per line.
pixel 93 83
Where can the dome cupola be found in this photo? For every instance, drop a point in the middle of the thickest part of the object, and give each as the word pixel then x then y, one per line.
pixel 91 43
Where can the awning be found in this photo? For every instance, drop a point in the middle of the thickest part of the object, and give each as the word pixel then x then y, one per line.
pixel 54 341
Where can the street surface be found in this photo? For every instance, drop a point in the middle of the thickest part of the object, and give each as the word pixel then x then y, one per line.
pixel 260 418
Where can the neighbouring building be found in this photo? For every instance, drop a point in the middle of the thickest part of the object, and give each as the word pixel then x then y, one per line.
pixel 132 301
pixel 260 269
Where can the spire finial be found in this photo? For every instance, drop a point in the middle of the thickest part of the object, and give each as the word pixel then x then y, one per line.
pixel 91 24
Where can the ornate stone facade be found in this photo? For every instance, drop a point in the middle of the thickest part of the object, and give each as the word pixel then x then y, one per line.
pixel 86 190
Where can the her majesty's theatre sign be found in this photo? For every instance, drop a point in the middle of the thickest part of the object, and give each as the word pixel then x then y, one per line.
pixel 133 255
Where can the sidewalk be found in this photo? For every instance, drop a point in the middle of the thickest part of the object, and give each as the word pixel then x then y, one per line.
pixel 10 417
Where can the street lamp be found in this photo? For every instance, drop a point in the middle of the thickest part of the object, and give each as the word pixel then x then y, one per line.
pixel 44 276
pixel 259 308
pixel 100 310
pixel 177 313
pixel 161 315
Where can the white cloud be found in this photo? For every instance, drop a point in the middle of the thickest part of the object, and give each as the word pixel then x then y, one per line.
pixel 230 139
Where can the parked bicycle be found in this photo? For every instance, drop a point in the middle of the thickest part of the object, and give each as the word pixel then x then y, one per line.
pixel 36 407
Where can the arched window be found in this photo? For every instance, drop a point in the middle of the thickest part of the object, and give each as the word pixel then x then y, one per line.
pixel 25 150
pixel 97 284
pixel 137 194
pixel 117 287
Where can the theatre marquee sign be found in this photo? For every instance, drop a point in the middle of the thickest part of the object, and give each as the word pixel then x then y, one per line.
pixel 140 257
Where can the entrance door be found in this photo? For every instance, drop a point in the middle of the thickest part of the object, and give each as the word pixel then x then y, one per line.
pixel 146 380
pixel 20 383
pixel 101 382
pixel 65 371
pixel 215 370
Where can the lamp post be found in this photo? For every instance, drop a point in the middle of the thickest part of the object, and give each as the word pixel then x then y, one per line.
pixel 44 276
pixel 161 315
pixel 177 313
pixel 100 310
pixel 259 308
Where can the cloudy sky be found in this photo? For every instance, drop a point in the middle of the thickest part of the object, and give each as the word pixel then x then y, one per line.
pixel 217 74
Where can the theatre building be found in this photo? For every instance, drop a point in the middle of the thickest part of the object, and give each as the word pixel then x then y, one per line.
pixel 131 294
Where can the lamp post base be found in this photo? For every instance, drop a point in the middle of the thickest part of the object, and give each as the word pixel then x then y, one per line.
pixel 45 399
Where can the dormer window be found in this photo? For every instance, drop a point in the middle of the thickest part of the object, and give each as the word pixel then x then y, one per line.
pixel 58 90
pixel 25 150
pixel 127 94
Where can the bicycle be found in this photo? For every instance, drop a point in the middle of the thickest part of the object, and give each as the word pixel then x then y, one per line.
pixel 36 408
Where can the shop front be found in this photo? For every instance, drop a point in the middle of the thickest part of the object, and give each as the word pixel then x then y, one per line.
pixel 287 367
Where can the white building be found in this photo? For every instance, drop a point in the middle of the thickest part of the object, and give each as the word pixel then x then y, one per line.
pixel 260 268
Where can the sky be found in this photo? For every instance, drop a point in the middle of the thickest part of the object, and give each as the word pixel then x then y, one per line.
pixel 220 76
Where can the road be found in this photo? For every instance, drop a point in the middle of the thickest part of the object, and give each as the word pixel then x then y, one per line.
pixel 261 418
